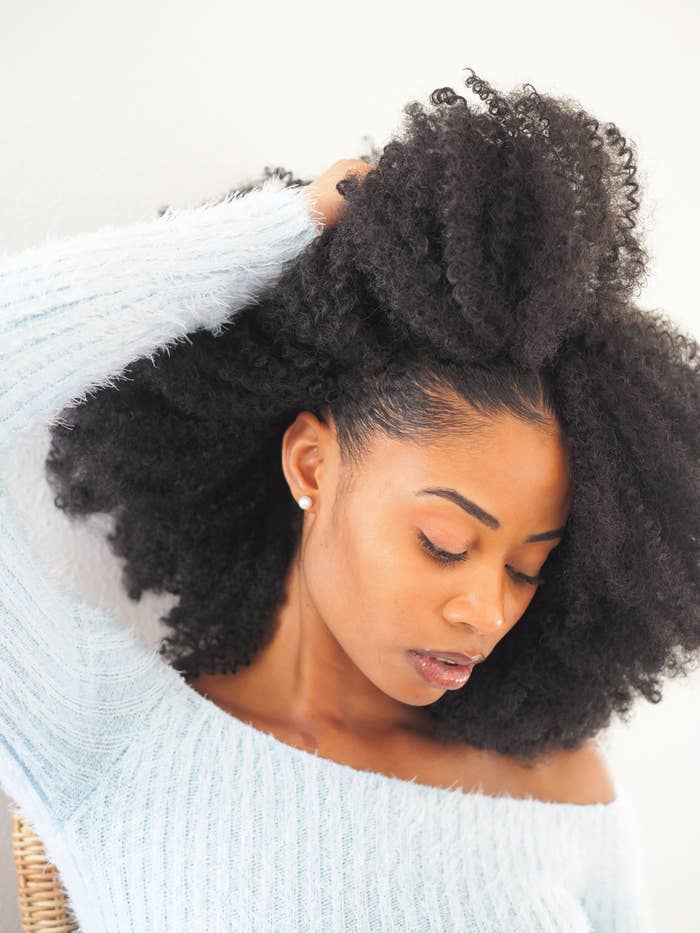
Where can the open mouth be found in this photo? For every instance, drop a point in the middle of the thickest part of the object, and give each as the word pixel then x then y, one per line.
pixel 441 672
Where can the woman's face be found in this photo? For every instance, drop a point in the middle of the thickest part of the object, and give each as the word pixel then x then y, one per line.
pixel 370 588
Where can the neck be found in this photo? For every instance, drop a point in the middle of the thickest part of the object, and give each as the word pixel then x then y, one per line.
pixel 303 677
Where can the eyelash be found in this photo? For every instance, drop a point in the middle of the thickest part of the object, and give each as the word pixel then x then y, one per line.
pixel 445 557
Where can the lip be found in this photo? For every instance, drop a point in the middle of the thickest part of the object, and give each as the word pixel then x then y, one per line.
pixel 458 656
pixel 440 675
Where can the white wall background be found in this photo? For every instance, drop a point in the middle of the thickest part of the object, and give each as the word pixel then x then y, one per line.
pixel 108 112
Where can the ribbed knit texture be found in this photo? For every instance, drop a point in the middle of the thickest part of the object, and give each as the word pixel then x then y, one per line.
pixel 161 811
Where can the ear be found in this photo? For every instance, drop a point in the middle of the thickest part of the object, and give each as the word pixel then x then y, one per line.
pixel 305 446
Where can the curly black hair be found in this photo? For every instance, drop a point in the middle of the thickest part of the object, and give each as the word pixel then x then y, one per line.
pixel 492 251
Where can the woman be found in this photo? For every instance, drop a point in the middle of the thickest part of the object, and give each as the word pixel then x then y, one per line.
pixel 354 426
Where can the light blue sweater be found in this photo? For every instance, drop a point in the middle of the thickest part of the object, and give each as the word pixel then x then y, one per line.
pixel 161 811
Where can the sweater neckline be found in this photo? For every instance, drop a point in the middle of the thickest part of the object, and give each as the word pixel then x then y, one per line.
pixel 268 741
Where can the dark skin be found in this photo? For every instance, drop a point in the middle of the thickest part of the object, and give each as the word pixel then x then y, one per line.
pixel 362 591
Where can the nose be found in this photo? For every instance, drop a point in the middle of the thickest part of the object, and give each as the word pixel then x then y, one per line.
pixel 481 609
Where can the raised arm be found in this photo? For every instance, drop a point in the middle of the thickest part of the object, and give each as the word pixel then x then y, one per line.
pixel 76 686
pixel 75 312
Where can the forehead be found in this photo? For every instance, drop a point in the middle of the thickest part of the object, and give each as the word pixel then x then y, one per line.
pixel 509 467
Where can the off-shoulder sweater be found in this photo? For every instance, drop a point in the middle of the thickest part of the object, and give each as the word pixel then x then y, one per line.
pixel 161 811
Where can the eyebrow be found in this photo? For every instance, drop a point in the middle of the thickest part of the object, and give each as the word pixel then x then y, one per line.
pixel 480 514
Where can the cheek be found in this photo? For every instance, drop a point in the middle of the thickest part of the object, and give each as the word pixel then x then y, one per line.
pixel 387 587
pixel 365 585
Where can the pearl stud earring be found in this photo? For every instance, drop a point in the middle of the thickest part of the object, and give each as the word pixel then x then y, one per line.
pixel 305 502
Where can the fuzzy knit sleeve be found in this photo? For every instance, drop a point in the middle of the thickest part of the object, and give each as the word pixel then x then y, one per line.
pixel 75 685
pixel 616 896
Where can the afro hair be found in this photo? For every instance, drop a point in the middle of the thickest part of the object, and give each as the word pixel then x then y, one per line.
pixel 493 250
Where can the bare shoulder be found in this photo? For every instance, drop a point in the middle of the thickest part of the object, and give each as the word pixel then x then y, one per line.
pixel 580 775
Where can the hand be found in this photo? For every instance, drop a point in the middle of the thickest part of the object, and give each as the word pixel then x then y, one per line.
pixel 322 191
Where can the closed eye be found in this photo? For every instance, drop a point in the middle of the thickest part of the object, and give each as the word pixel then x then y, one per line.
pixel 447 557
